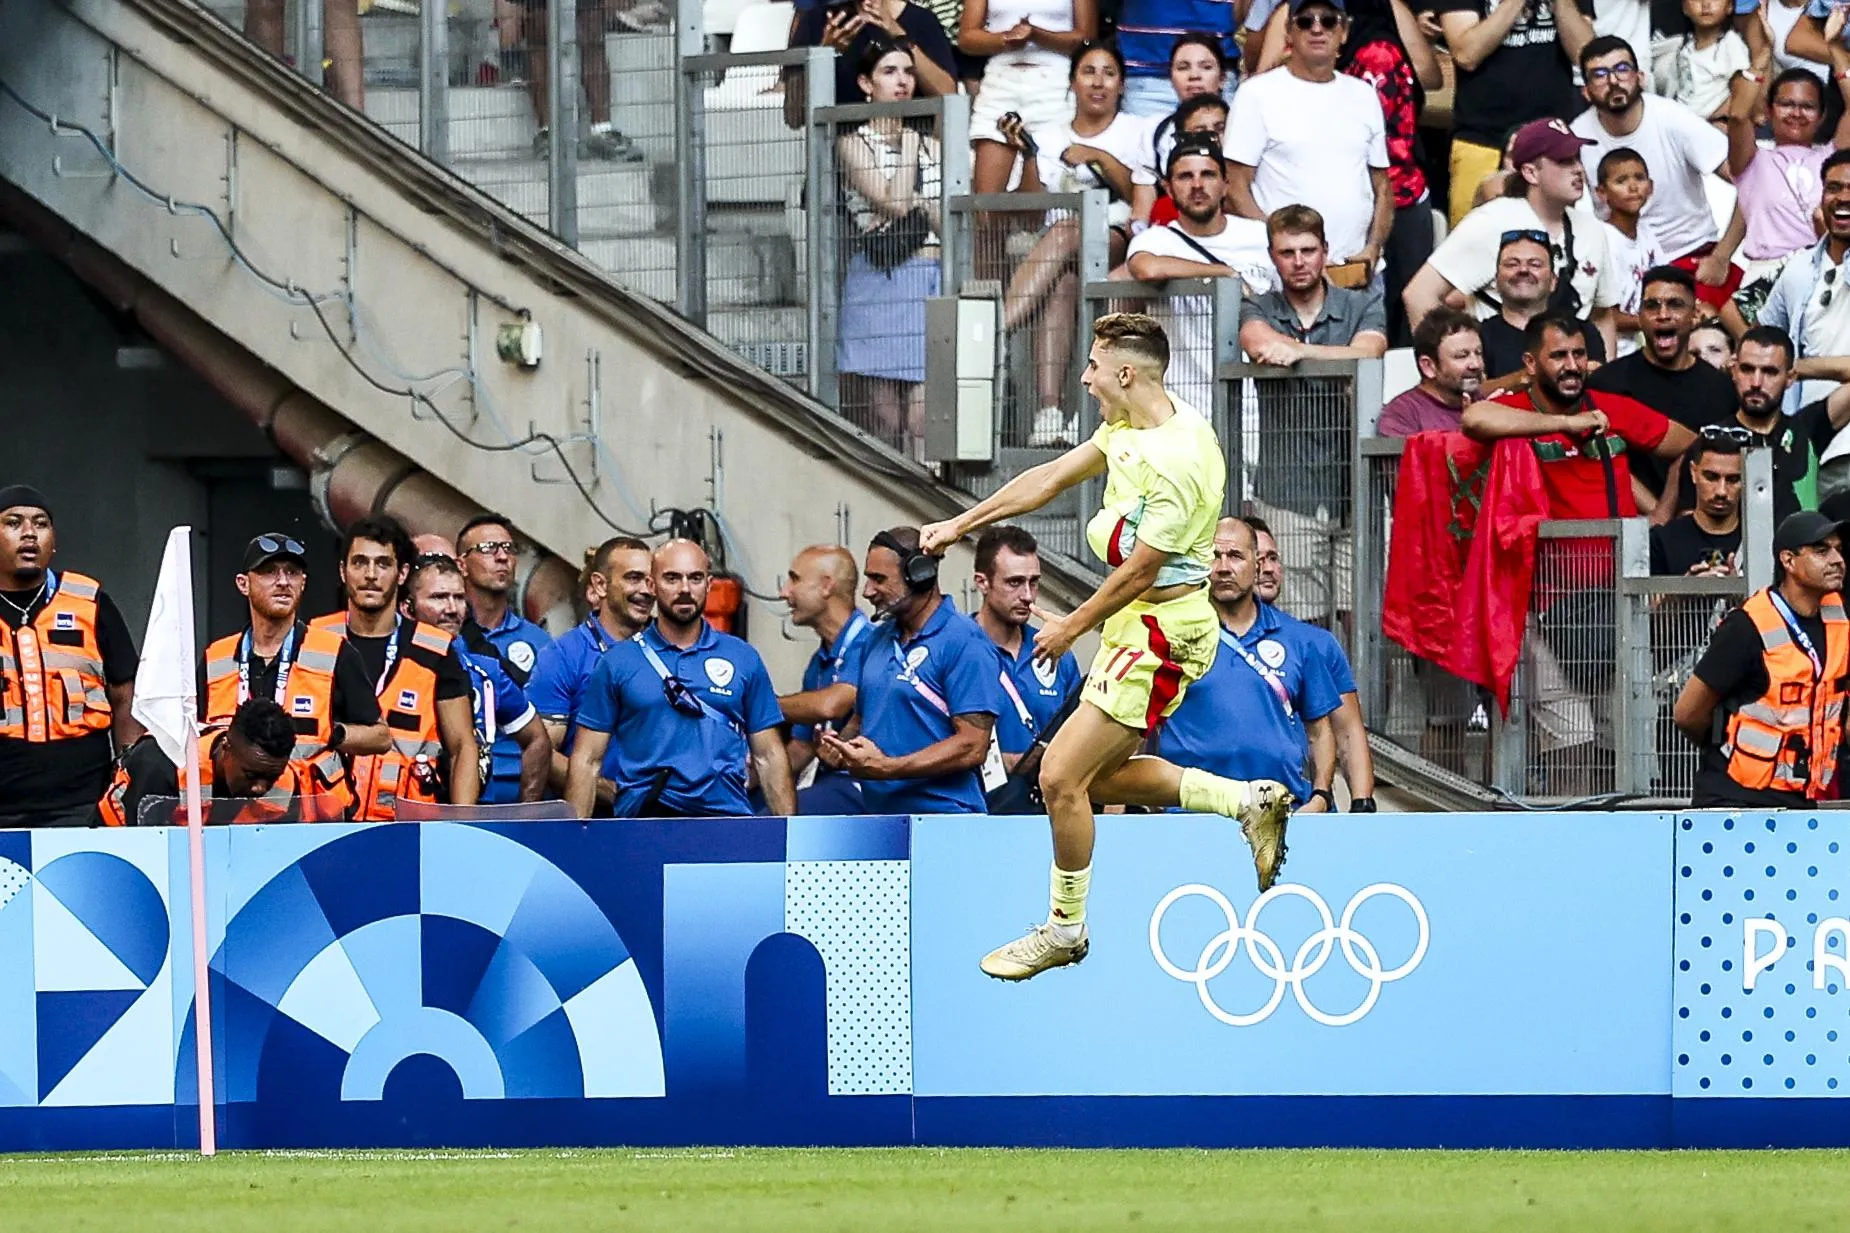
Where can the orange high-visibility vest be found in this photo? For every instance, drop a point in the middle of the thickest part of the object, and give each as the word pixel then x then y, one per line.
pixel 51 670
pixel 273 806
pixel 309 701
pixel 1788 740
pixel 408 703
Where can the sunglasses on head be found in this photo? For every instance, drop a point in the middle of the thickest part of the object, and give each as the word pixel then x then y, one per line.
pixel 424 559
pixel 1726 432
pixel 1526 233
pixel 681 697
pixel 1317 21
pixel 281 543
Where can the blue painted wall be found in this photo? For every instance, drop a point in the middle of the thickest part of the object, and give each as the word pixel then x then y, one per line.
pixel 1450 980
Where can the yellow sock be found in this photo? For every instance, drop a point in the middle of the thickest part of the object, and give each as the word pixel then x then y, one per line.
pixel 1200 792
pixel 1066 897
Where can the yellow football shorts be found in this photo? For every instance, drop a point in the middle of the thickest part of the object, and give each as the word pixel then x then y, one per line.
pixel 1148 656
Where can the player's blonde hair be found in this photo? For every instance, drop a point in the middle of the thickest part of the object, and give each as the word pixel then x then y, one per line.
pixel 1139 334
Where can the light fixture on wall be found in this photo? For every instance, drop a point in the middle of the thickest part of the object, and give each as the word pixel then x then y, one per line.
pixel 518 342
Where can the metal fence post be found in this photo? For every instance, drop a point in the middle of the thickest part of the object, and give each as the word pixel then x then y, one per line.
pixel 819 215
pixel 690 159
pixel 1226 318
pixel 433 81
pixel 1094 266
pixel 562 106
pixel 1365 405
pixel 308 40
pixel 1755 561
pixel 1634 712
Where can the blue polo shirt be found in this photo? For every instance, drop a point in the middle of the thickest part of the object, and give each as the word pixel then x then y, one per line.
pixel 1232 723
pixel 704 756
pixel 1329 653
pixel 954 660
pixel 1042 690
pixel 559 679
pixel 833 663
pixel 519 642
pixel 493 695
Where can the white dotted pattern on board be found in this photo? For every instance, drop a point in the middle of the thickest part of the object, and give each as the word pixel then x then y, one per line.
pixel 857 914
pixel 13 879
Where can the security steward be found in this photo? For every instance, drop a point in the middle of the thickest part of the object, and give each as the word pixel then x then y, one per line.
pixel 687 708
pixel 1008 577
pixel 489 555
pixel 434 595
pixel 422 689
pixel 316 677
pixel 819 591
pixel 245 761
pixel 617 583
pixel 67 676
pixel 1264 710
pixel 928 695
pixel 1766 703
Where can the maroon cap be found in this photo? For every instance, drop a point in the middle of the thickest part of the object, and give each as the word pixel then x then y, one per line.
pixel 1545 139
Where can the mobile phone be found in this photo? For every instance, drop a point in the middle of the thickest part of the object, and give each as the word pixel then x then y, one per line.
pixel 840 10
pixel 1029 146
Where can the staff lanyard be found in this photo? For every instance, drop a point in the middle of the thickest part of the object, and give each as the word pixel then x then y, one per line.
pixel 1266 672
pixel 391 657
pixel 285 662
pixel 856 626
pixel 923 690
pixel 1021 707
pixel 1798 635
pixel 598 637
pixel 483 690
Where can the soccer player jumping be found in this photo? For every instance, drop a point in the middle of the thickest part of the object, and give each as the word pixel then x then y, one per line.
pixel 1165 480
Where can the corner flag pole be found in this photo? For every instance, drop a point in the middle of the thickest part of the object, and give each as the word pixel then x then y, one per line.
pixel 167 705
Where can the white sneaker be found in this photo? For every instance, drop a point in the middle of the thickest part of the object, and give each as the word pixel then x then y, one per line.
pixel 1033 953
pixel 1051 428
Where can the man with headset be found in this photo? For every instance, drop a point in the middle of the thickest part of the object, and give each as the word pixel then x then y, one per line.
pixel 927 696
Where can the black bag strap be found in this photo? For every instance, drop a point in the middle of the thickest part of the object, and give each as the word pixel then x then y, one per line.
pixel 1195 244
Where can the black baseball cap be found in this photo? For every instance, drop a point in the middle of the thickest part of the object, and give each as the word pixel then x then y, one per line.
pixel 1803 529
pixel 273 546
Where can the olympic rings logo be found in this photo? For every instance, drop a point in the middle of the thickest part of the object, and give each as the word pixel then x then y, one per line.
pixel 1269 960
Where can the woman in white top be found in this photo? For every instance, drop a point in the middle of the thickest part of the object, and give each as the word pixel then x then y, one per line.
pixel 1028 43
pixel 1095 148
pixel 891 185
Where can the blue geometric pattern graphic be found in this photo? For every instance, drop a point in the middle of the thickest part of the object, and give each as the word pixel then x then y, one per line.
pixel 1762 982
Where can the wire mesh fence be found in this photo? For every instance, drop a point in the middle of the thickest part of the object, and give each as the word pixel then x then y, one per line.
pixel 1201 316
pixel 1291 457
pixel 1683 613
pixel 1035 252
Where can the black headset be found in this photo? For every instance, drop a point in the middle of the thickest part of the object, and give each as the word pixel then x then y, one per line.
pixel 918 569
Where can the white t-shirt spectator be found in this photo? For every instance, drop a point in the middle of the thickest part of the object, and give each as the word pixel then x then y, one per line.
pixel 1313 143
pixel 1679 148
pixel 1467 258
pixel 1124 139
pixel 1631 257
pixel 1242 246
pixel 1699 77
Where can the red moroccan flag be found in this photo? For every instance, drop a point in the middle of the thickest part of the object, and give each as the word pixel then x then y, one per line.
pixel 1461 562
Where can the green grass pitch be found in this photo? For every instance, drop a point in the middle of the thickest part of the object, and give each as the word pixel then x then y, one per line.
pixel 887 1191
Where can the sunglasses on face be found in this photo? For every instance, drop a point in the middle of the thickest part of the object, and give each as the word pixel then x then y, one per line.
pixel 1624 68
pixel 492 547
pixel 1317 21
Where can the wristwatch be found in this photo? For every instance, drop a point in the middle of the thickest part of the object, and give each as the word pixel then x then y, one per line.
pixel 1329 798
pixel 1362 804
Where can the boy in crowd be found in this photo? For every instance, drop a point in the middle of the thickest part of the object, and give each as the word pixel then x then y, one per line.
pixel 1623 189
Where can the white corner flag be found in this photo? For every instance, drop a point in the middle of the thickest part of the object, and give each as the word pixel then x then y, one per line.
pixel 167 705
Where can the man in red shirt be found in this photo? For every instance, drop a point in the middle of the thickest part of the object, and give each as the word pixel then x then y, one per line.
pixel 1583 440
pixel 1576 432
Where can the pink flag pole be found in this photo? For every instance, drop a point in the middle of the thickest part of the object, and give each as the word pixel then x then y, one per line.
pixel 202 991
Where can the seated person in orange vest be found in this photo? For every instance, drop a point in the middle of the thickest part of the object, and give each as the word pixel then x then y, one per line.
pixel 67 675
pixel 245 761
pixel 318 680
pixel 1766 701
pixel 422 689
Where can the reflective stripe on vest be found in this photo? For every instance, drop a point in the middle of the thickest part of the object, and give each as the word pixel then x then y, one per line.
pixel 51 669
pixel 1787 740
pixel 276 802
